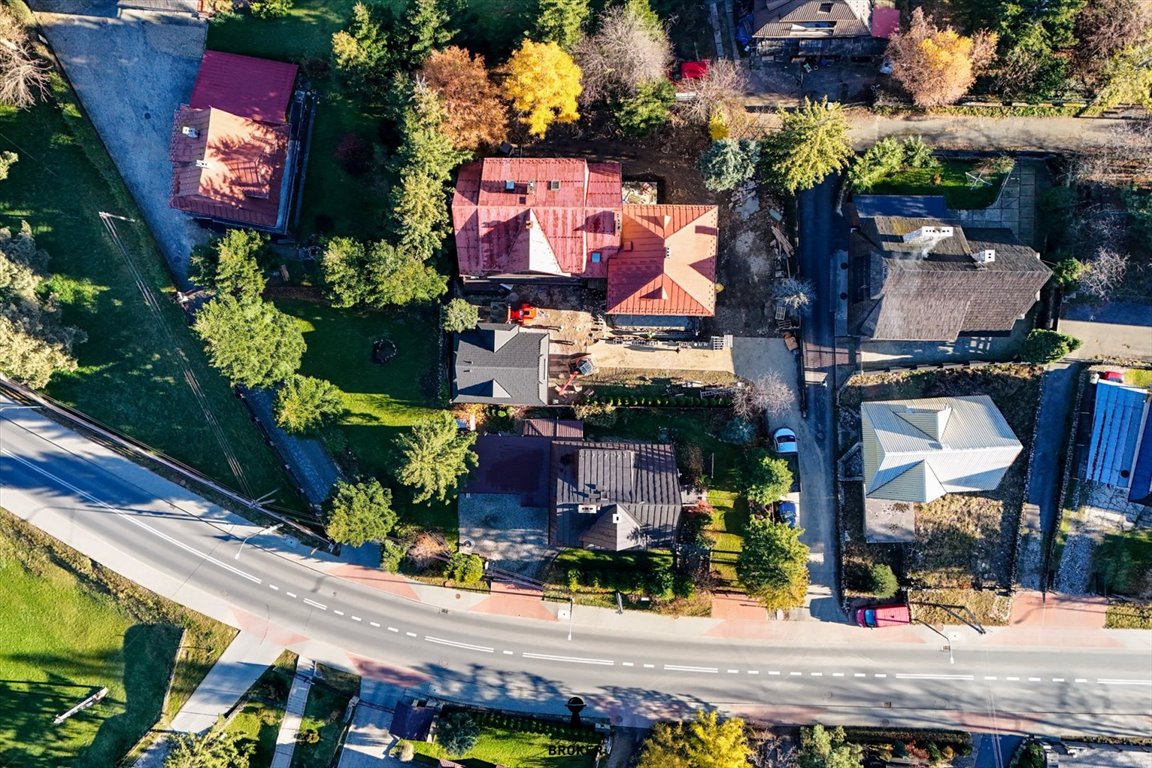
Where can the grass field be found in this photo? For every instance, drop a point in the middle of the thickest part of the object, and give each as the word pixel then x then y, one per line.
pixel 68 628
pixel 517 742
pixel 130 376
pixel 953 184
pixel 1123 564
pixel 380 401
pixel 324 713
pixel 728 521
pixel 258 721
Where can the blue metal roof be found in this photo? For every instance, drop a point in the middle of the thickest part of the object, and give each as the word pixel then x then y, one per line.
pixel 1117 422
pixel 1141 490
pixel 912 206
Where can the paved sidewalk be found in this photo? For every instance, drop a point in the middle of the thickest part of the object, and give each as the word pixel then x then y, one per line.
pixel 293 713
pixel 237 670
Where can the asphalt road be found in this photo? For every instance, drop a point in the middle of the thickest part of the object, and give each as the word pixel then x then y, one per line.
pixel 168 541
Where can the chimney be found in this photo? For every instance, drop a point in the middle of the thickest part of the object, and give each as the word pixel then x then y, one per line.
pixel 986 256
pixel 927 233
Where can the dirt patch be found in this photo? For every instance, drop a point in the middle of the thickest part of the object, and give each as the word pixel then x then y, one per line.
pixel 989 608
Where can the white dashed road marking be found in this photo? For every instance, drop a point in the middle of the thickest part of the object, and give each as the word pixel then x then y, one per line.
pixel 356 618
pixel 375 624
pixel 933 677
pixel 570 659
pixel 677 668
pixel 410 634
pixel 338 613
pixel 393 629
pixel 273 586
pixel 454 644
pixel 291 594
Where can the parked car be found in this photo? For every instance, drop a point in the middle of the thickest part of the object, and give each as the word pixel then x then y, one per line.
pixel 880 616
pixel 789 514
pixel 785 441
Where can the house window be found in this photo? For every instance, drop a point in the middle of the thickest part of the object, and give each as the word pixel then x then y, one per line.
pixel 596 257
pixel 554 185
pixel 825 7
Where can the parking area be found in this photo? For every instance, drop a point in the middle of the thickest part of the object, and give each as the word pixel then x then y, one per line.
pixel 132 69
pixel 511 537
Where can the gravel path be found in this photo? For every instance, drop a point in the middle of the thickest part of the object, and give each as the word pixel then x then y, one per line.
pixel 132 71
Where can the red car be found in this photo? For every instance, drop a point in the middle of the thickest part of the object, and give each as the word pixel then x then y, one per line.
pixel 879 616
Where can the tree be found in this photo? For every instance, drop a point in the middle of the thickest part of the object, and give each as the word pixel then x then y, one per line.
pixel 719 94
pixel 1102 273
pixel 1042 346
pixel 271 9
pixel 23 74
pixel 767 394
pixel 7 160
pixel 465 569
pixel 937 66
pixel 728 163
pixel 215 748
pixel 304 403
pixel 252 343
pixel 474 115
pixel 33 343
pixel 812 142
pixel 407 752
pixel 376 275
pixel 342 272
pixel 767 479
pixel 793 293
pixel 773 564
pixel 1106 28
pixel 359 512
pixel 457 733
pixel 543 83
pixel 460 316
pixel 625 54
pixel 425 29
pixel 237 269
pixel 822 748
pixel 704 742
pixel 436 454
pixel 1067 272
pixel 882 581
pixel 561 21
pixel 647 110
pixel 363 51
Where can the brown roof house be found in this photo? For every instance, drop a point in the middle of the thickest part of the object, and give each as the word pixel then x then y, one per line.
pixel 235 146
pixel 785 29
pixel 918 278
pixel 564 219
pixel 915 451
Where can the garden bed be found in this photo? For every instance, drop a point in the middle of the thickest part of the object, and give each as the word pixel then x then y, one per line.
pixel 949 180
pixel 516 741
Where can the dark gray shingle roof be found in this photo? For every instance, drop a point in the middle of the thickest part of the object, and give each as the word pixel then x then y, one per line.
pixel 812 18
pixel 501 363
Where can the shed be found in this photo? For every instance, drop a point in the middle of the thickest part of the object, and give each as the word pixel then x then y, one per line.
pixel 1118 425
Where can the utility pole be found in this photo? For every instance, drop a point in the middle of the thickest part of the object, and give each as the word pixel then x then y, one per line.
pixel 269 529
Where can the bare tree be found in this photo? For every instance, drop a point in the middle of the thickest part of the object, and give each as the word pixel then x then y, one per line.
pixel 1103 273
pixel 937 66
pixel 1125 157
pixel 23 75
pixel 794 294
pixel 768 394
pixel 722 89
pixel 625 52
pixel 1105 28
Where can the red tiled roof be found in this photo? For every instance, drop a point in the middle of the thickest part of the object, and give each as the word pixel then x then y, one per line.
pixel 557 214
pixel 231 169
pixel 667 262
pixel 257 89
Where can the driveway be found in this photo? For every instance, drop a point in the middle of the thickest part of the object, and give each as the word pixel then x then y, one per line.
pixel 132 69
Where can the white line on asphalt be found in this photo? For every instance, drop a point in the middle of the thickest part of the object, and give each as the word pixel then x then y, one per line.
pixel 991 677
pixel 273 586
pixel 410 634
pixel 677 668
pixel 454 644
pixel 795 674
pixel 627 664
pixel 290 594
pixel 338 613
pixel 837 674
pixel 1080 680
pixel 860 674
pixel 130 518
pixel 1013 679
pixel 902 676
pixel 649 666
pixel 773 672
pixel 879 674
pixel 356 618
pixel 375 624
pixel 509 653
pixel 1124 682
pixel 315 604
pixel 570 659
pixel 816 674
pixel 1033 679
pixel 733 671
pixel 393 629
pixel 753 671
pixel 1057 679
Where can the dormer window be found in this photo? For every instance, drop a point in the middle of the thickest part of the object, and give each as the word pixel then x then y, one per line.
pixel 825 8
pixel 554 186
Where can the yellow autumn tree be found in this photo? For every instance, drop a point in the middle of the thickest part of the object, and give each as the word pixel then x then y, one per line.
pixel 543 83
pixel 704 742
pixel 937 66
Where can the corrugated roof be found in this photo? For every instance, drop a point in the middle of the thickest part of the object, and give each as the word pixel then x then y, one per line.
pixel 903 462
pixel 667 263
pixel 1141 489
pixel 574 203
pixel 552 428
pixel 231 169
pixel 500 363
pixel 1117 425
pixel 256 89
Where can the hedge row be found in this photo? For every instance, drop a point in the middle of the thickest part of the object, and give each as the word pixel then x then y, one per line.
pixel 679 401
pixel 530 725
pixel 858 735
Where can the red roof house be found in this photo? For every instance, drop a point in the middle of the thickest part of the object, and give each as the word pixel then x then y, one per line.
pixel 566 218
pixel 667 262
pixel 231 148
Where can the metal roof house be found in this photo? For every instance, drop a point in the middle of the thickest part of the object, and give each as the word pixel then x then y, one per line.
pixel 916 451
pixel 922 278
pixel 1120 449
pixel 236 145
pixel 785 29
pixel 502 364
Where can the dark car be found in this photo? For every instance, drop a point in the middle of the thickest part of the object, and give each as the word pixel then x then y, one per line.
pixel 789 514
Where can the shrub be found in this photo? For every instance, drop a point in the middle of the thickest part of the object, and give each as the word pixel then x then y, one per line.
pixel 465 569
pixel 354 153
pixel 391 555
pixel 661 582
pixel 727 163
pixel 596 414
pixel 271 9
pixel 768 479
pixel 1066 272
pixel 882 580
pixel 647 110
pixel 459 316
pixel 457 733
pixel 1047 346
pixel 407 752
pixel 308 736
pixel 738 432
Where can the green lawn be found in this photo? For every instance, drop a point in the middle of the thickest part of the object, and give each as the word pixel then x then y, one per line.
pixel 66 630
pixel 1139 377
pixel 381 401
pixel 953 184
pixel 728 521
pixel 517 742
pixel 1123 563
pixel 130 374
pixel 258 721
pixel 324 713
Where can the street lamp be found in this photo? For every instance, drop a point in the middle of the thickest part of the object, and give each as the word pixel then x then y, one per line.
pixel 269 529
pixel 571 605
